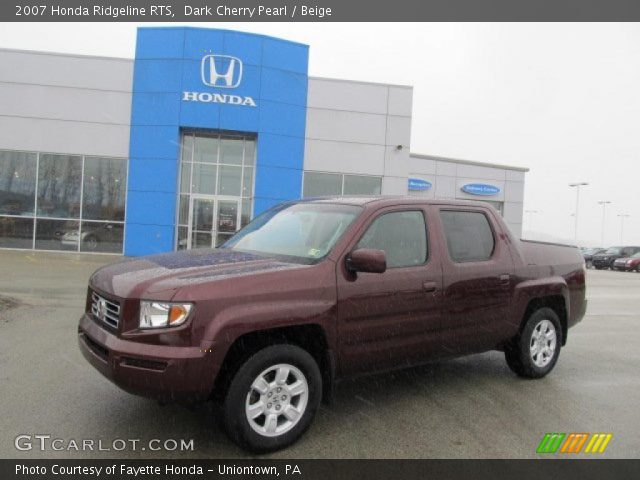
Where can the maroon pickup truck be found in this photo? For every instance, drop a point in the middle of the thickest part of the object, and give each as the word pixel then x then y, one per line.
pixel 317 290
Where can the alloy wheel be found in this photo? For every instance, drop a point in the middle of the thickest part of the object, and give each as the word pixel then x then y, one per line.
pixel 277 400
pixel 542 345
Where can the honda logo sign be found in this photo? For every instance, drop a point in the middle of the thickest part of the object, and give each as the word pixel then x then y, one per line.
pixel 221 71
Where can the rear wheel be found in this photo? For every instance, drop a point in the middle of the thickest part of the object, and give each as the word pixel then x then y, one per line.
pixel 272 399
pixel 534 352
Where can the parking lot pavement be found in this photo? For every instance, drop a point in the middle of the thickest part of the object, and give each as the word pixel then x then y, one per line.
pixel 467 408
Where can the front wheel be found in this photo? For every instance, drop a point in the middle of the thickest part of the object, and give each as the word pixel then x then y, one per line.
pixel 273 398
pixel 534 352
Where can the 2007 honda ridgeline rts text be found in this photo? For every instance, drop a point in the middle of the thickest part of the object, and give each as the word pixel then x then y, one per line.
pixel 318 290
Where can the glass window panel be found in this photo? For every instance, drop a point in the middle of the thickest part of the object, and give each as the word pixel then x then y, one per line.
pixel 250 152
pixel 183 210
pixel 101 237
pixel 183 234
pixel 320 184
pixel 469 236
pixel 229 181
pixel 221 238
pixel 59 179
pixel 202 214
pixel 205 149
pixel 104 191
pixel 361 185
pixel 57 234
pixel 204 178
pixel 187 147
pixel 245 216
pixel 402 236
pixel 17 183
pixel 201 240
pixel 185 177
pixel 16 232
pixel 247 182
pixel 227 221
pixel 231 151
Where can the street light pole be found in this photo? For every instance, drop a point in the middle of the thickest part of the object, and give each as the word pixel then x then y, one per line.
pixel 604 204
pixel 622 216
pixel 577 185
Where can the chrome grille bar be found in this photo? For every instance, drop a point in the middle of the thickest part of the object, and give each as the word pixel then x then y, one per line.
pixel 104 310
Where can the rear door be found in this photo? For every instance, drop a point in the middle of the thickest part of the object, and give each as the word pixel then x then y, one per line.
pixel 391 319
pixel 478 283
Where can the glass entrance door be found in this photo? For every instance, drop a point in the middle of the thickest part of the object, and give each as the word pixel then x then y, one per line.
pixel 212 221
pixel 216 187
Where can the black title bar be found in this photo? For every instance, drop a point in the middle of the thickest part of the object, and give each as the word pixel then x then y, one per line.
pixel 318 10
pixel 321 469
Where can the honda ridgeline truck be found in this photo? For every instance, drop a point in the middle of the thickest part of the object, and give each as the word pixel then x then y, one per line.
pixel 314 291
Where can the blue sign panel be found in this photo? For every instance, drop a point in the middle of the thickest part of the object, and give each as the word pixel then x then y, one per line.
pixel 481 189
pixel 419 185
pixel 209 79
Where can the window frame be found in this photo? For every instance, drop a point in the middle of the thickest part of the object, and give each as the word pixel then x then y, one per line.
pixel 342 176
pixel 403 209
pixel 80 219
pixel 468 210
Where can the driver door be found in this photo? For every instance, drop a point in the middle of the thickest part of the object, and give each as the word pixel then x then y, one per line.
pixel 391 319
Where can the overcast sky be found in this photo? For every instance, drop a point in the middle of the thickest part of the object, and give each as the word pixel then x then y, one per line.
pixel 560 99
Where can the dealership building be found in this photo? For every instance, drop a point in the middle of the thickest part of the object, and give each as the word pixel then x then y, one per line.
pixel 203 130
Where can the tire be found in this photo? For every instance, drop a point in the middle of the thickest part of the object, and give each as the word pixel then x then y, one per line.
pixel 589 264
pixel 262 433
pixel 520 354
pixel 598 267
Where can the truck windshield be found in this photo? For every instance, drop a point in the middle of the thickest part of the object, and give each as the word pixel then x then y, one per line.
pixel 306 231
pixel 613 251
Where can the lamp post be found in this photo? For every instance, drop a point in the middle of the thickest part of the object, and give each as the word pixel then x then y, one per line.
pixel 604 204
pixel 622 216
pixel 530 214
pixel 577 186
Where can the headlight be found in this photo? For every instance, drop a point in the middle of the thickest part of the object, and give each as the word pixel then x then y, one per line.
pixel 162 315
pixel 629 262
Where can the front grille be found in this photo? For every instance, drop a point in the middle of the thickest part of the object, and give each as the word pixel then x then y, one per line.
pixel 106 311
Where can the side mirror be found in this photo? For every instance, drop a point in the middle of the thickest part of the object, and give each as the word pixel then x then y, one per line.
pixel 367 260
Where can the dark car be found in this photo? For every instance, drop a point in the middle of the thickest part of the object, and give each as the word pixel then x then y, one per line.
pixel 319 290
pixel 607 258
pixel 629 264
pixel 588 254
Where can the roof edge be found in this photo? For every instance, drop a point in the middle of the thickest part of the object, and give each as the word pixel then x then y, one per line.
pixel 468 162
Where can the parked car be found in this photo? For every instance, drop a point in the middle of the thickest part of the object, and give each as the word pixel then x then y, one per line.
pixel 95 237
pixel 607 258
pixel 629 264
pixel 588 254
pixel 314 291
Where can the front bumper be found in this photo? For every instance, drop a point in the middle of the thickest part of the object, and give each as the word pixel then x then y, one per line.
pixel 165 373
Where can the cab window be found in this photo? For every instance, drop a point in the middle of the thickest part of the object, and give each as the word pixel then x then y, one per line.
pixel 402 236
pixel 469 236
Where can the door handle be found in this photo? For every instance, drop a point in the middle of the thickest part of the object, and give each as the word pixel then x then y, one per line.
pixel 429 287
pixel 505 279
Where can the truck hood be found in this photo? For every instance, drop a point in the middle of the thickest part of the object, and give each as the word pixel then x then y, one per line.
pixel 162 275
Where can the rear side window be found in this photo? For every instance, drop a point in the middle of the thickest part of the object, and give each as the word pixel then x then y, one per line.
pixel 469 236
pixel 402 236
